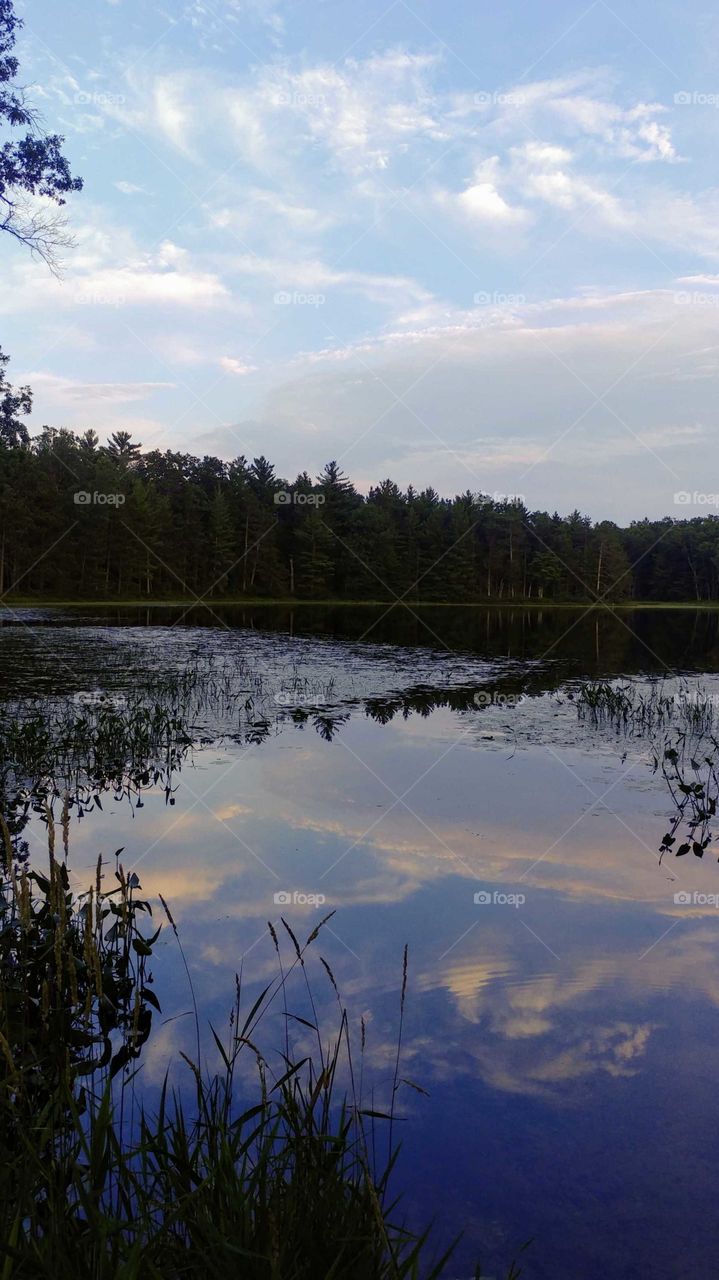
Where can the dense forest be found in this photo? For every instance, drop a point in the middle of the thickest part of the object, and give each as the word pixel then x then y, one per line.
pixel 83 520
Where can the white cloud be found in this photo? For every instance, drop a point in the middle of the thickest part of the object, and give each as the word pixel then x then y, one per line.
pixel 170 108
pixel 515 406
pixel 313 276
pixel 349 129
pixel 544 172
pixel 584 107
pixel 107 270
pixel 264 206
pixel 633 133
pixel 237 367
pixel 360 112
pixel 98 393
pixel 482 201
pixel 510 190
pixel 365 111
pixel 138 285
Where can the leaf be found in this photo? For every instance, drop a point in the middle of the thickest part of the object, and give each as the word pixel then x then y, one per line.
pixel 413 1085
pixel 297 1066
pixel 296 1018
pixel 221 1048
pixel 254 1009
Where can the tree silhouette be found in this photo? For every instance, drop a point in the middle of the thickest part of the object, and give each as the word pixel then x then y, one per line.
pixel 12 403
pixel 123 447
pixel 180 525
pixel 34 173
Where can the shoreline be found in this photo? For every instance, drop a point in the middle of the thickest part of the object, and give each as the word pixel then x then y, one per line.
pixel 284 602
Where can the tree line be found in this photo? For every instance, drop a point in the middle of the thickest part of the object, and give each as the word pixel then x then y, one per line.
pixel 80 519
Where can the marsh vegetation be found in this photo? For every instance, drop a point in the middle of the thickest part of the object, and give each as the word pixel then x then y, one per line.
pixel 264 1160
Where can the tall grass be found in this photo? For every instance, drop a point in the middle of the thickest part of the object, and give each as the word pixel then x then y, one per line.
pixel 634 709
pixel 266 1168
pixel 265 1165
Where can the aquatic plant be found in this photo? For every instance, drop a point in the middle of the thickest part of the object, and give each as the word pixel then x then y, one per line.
pixel 276 1181
pixel 645 710
pixel 679 726
pixel 268 1165
pixel 76 1006
pixel 693 784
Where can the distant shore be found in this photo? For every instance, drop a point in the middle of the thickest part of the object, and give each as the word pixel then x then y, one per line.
pixel 292 603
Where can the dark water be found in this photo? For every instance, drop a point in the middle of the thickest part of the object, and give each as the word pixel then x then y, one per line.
pixel 567 1029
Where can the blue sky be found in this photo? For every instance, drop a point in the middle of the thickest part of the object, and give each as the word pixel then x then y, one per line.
pixel 465 245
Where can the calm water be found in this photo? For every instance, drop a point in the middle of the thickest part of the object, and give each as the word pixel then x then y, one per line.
pixel 387 763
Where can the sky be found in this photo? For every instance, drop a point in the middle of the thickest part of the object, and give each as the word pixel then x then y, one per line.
pixel 465 245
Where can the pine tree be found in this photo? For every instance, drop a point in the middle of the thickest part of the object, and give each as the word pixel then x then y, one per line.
pixel 223 552
pixel 314 564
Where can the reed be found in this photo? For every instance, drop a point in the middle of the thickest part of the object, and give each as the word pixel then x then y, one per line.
pixel 640 710
pixel 265 1164
pixel 265 1167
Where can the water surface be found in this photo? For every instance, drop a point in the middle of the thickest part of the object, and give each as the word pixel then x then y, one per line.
pixel 399 767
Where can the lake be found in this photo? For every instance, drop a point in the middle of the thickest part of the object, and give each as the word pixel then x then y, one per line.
pixel 425 775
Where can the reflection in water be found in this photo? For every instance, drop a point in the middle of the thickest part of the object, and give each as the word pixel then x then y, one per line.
pixel 564 1038
pixel 593 641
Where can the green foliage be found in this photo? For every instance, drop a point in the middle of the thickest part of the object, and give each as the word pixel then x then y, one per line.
pixel 72 975
pixel 640 710
pixel 13 403
pixel 684 746
pixel 76 1006
pixel 176 526
pixel 265 1167
pixel 283 1186
pixel 32 164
